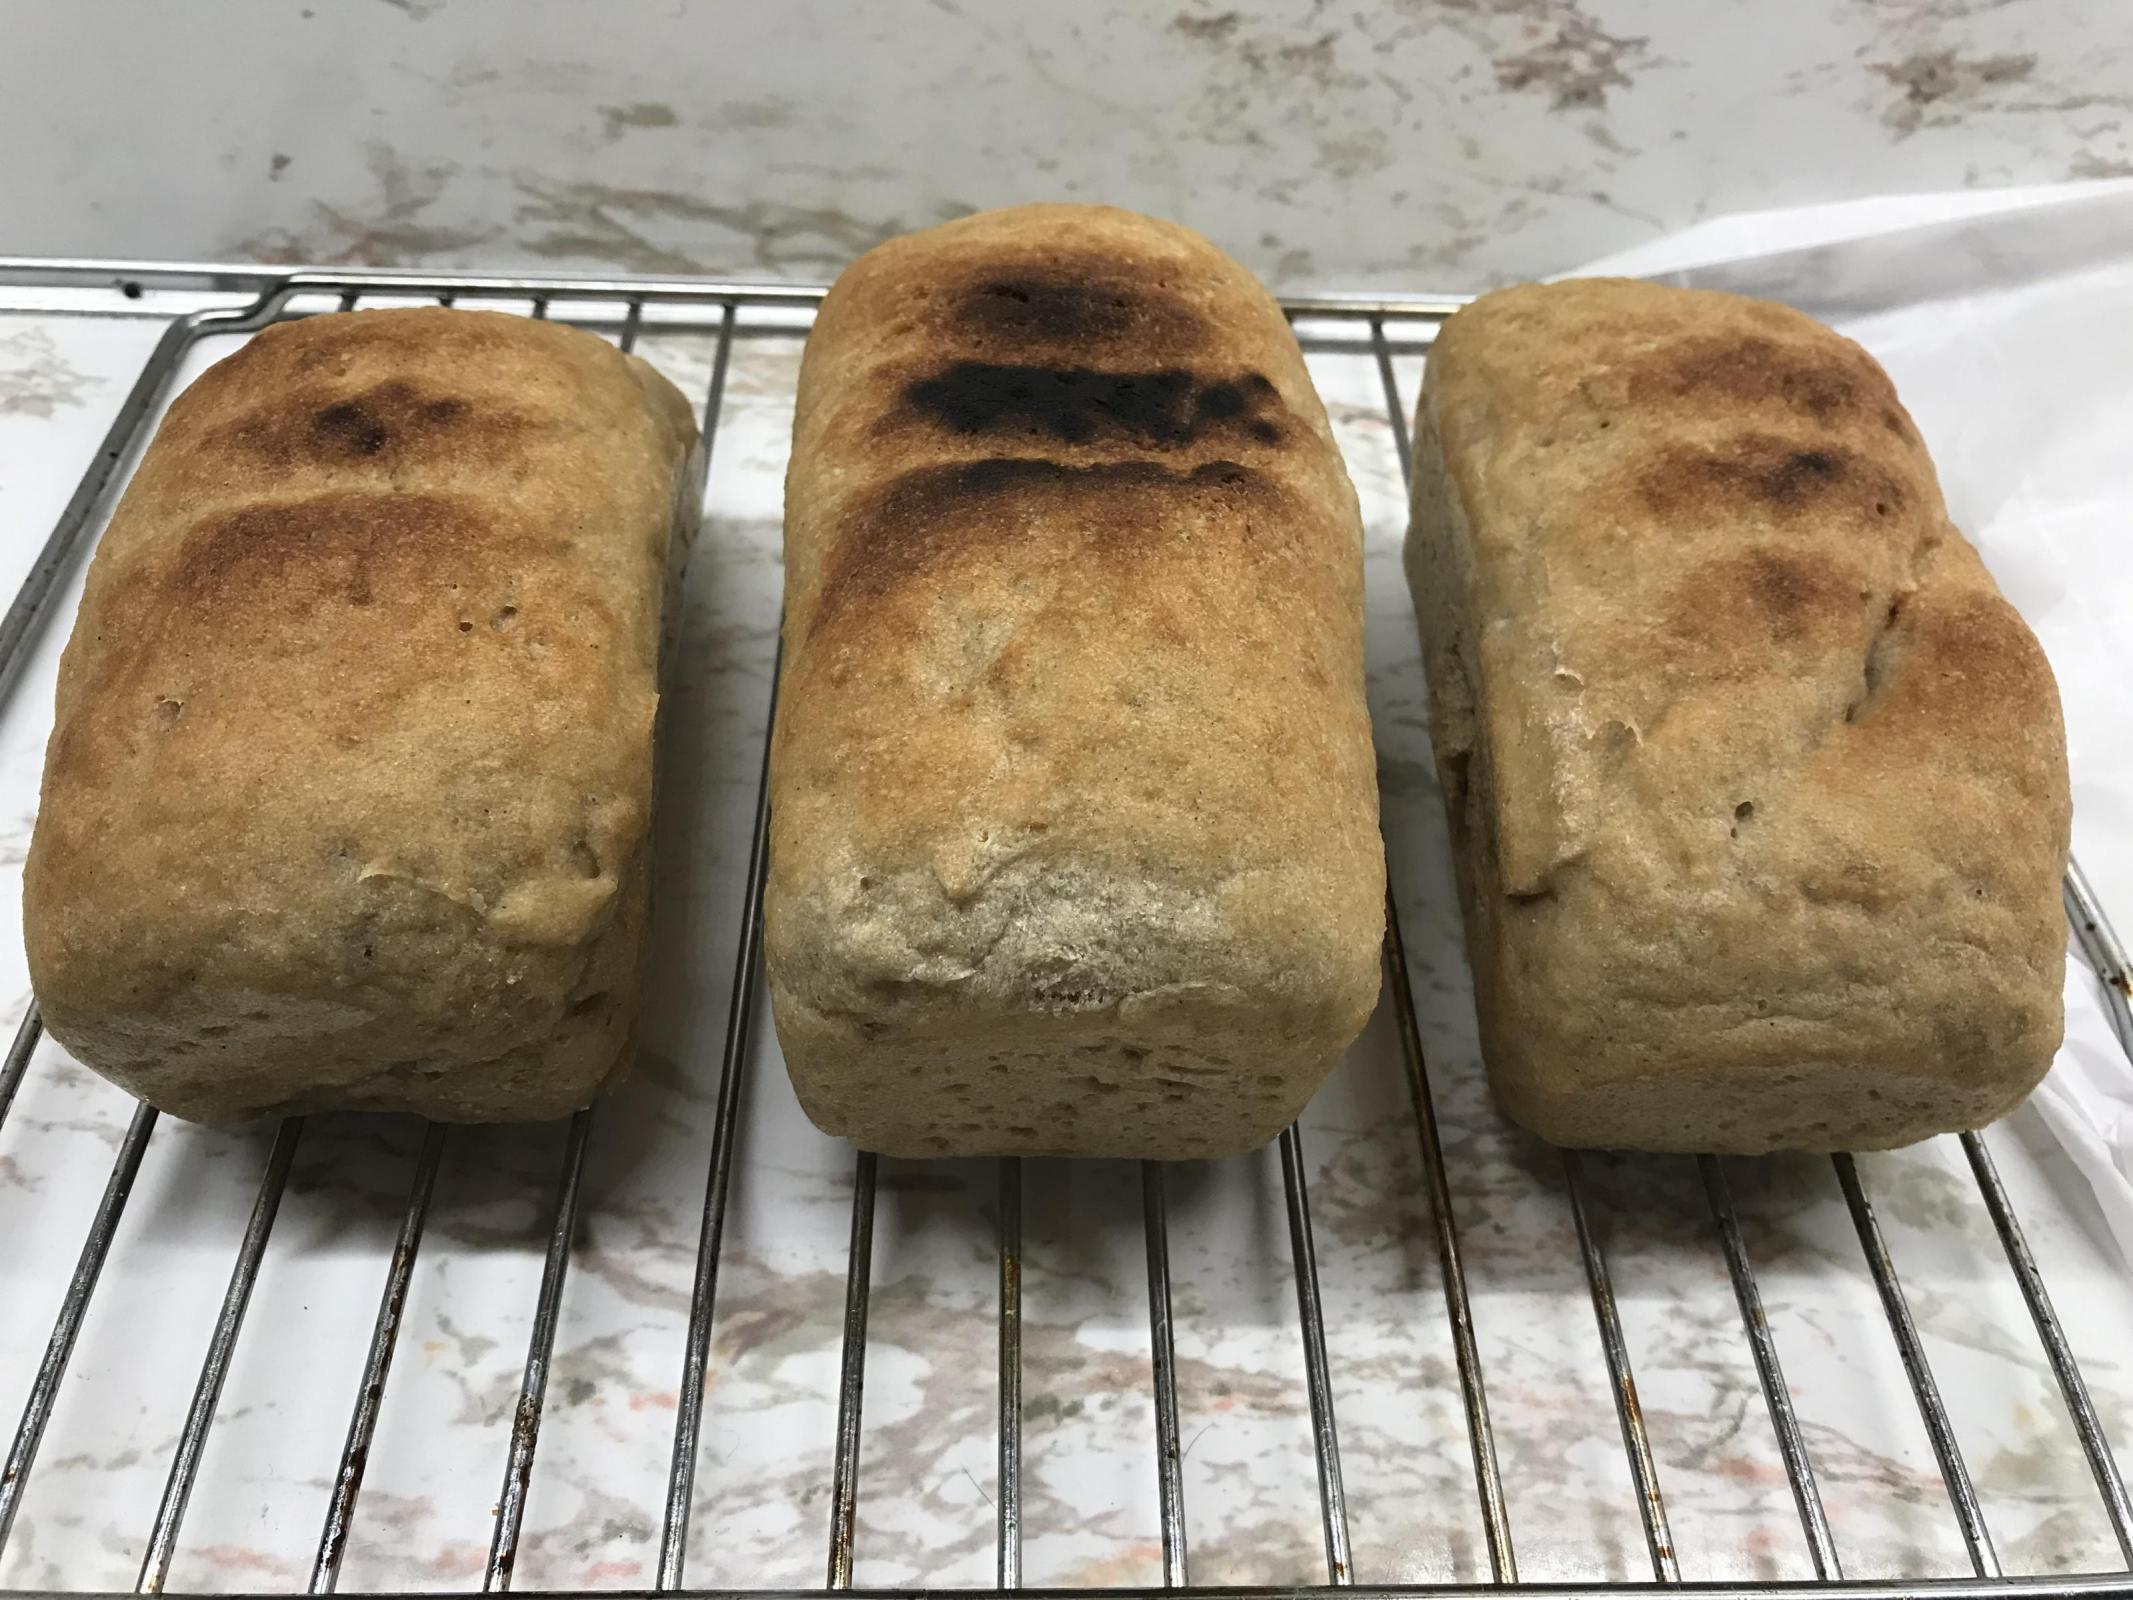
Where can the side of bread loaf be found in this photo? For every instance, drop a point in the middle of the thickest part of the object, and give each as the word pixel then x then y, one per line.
pixel 346 803
pixel 1074 836
pixel 1758 787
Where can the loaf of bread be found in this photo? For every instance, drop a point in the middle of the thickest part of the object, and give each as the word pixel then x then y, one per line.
pixel 347 800
pixel 1074 839
pixel 1757 786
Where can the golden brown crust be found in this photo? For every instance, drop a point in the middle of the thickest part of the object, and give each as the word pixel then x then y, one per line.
pixel 1759 785
pixel 1074 842
pixel 346 799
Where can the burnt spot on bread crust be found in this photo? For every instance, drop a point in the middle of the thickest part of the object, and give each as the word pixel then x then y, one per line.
pixel 1077 299
pixel 1033 304
pixel 926 516
pixel 326 620
pixel 1786 590
pixel 388 422
pixel 976 479
pixel 329 547
pixel 1165 409
pixel 1751 610
pixel 1768 475
pixel 1825 382
pixel 314 363
pixel 370 422
pixel 1799 474
pixel 352 427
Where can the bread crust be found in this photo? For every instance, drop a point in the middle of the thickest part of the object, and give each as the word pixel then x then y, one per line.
pixel 1758 786
pixel 1074 837
pixel 346 802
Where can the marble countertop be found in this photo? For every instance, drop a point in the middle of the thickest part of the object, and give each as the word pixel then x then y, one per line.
pixel 1340 144
pixel 926 1483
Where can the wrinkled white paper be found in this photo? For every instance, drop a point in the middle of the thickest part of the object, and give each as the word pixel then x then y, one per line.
pixel 2006 319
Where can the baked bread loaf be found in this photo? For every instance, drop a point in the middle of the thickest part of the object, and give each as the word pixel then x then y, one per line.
pixel 1757 786
pixel 347 800
pixel 1074 841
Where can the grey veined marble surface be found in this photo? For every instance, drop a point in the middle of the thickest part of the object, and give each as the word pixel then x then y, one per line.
pixel 926 1467
pixel 1441 144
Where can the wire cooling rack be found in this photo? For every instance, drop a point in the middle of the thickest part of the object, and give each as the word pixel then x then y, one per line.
pixel 725 311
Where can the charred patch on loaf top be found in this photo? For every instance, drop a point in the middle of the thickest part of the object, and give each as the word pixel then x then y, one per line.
pixel 345 547
pixel 1792 596
pixel 1071 299
pixel 927 515
pixel 1822 380
pixel 1029 304
pixel 1166 409
pixel 1736 609
pixel 387 422
pixel 312 350
pixel 1785 586
pixel 1768 474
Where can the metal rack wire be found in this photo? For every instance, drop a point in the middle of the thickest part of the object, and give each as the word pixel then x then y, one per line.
pixel 717 308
